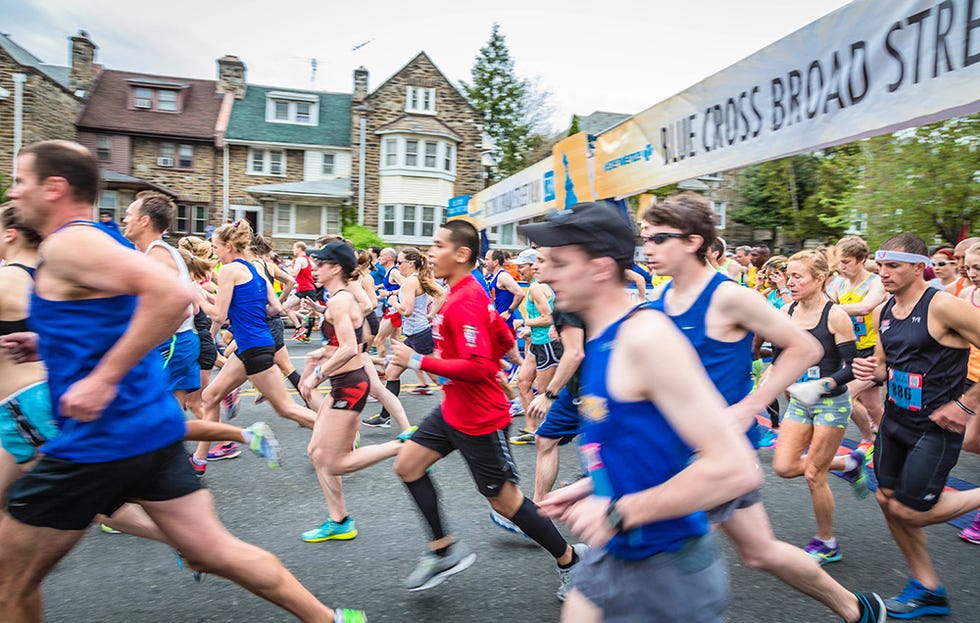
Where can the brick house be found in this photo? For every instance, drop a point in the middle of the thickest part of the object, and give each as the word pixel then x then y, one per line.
pixel 159 132
pixel 421 142
pixel 39 101
pixel 289 162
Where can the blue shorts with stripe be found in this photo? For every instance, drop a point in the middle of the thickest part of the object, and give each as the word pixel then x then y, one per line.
pixel 180 359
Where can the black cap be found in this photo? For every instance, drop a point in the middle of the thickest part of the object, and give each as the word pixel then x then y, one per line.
pixel 336 252
pixel 599 227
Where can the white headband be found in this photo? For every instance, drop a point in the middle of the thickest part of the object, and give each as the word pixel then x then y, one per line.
pixel 900 256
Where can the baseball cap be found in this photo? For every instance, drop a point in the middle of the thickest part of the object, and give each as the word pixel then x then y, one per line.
pixel 527 256
pixel 336 252
pixel 599 227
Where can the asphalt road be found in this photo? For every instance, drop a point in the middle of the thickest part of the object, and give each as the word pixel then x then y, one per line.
pixel 116 578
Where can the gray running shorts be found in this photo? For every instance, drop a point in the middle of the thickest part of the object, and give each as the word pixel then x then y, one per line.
pixel 724 512
pixel 688 585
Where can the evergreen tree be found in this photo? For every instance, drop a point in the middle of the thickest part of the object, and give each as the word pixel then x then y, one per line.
pixel 502 97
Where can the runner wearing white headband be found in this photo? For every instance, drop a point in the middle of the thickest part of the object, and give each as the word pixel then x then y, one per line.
pixel 901 256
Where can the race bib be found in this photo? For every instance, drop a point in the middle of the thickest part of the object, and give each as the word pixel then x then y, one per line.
pixel 812 374
pixel 860 326
pixel 905 389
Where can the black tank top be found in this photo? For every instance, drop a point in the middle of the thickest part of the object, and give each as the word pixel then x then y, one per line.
pixel 331 336
pixel 922 373
pixel 16 326
pixel 831 361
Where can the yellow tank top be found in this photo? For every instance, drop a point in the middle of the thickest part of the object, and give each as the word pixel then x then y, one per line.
pixel 750 276
pixel 864 328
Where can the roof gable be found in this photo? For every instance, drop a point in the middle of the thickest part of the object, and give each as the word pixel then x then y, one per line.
pixel 421 59
pixel 248 118
pixel 108 107
pixel 56 73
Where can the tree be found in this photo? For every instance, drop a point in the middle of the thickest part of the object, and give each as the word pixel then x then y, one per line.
pixel 503 98
pixel 573 127
pixel 362 237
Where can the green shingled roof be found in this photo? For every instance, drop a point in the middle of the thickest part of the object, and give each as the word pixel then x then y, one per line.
pixel 248 122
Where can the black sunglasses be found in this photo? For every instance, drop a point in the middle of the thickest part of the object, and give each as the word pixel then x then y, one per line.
pixel 663 237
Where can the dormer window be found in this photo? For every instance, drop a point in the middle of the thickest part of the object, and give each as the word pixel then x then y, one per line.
pixel 167 100
pixel 420 100
pixel 142 97
pixel 157 95
pixel 298 108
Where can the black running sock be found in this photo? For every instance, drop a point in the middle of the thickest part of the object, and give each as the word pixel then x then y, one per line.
pixel 395 387
pixel 773 411
pixel 294 379
pixel 442 552
pixel 528 518
pixel 426 499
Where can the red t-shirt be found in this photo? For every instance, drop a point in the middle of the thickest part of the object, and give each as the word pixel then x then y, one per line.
pixel 470 338
pixel 304 278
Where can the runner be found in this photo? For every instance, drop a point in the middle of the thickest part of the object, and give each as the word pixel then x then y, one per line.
pixel 819 407
pixel 120 427
pixel 719 320
pixel 473 417
pixel 338 420
pixel 646 404
pixel 858 292
pixel 303 275
pixel 971 440
pixel 959 254
pixel 922 352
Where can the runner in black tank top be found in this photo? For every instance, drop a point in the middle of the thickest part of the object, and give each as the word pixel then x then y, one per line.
pixel 923 341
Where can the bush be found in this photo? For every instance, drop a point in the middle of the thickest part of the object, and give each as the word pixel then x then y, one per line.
pixel 362 237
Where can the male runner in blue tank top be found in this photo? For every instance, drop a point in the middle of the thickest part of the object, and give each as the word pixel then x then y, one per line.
pixel 719 318
pixel 504 291
pixel 120 427
pixel 924 337
pixel 646 405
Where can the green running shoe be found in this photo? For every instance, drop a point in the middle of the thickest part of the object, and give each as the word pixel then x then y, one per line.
pixel 265 444
pixel 346 615
pixel 332 531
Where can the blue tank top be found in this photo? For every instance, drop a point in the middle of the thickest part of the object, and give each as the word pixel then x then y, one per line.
pixel 387 283
pixel 923 374
pixel 73 336
pixel 247 312
pixel 502 298
pixel 628 447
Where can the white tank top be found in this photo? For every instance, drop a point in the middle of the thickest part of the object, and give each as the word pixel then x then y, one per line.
pixel 184 276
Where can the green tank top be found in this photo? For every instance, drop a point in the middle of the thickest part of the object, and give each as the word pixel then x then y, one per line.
pixel 539 335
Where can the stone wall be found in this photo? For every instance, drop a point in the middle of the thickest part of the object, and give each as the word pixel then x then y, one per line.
pixel 388 104
pixel 49 111
pixel 199 185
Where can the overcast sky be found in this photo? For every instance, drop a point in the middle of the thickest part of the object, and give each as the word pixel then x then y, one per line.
pixel 621 57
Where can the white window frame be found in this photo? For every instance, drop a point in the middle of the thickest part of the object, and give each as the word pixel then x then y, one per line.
pixel 720 208
pixel 238 213
pixel 103 144
pixel 420 100
pixel 143 98
pixel 266 162
pixel 293 101
pixel 175 101
pixel 330 221
pixel 109 200
pixel 396 162
pixel 329 161
pixel 397 232
pixel 178 157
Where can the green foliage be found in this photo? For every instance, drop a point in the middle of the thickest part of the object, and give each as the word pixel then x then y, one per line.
pixel 922 181
pixel 362 237
pixel 502 98
pixel 4 187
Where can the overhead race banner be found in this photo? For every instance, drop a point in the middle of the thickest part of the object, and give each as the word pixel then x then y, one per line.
pixel 521 196
pixel 572 171
pixel 458 207
pixel 871 67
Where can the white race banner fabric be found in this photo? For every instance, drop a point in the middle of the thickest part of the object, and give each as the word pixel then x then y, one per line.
pixel 871 67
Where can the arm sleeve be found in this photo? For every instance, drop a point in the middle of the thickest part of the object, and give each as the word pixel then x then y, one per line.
pixel 847 352
pixel 469 349
pixel 471 370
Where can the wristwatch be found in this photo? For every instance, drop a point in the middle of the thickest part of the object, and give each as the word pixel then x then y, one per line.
pixel 550 395
pixel 613 516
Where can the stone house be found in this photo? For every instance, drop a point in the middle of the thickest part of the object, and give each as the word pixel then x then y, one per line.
pixel 39 101
pixel 415 143
pixel 288 162
pixel 159 132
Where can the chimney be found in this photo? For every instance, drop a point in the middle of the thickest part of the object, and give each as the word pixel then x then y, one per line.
pixel 231 76
pixel 360 83
pixel 82 63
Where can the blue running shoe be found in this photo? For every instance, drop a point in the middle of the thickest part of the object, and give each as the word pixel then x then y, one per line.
pixel 332 531
pixel 505 523
pixel 265 444
pixel 407 434
pixel 871 607
pixel 858 477
pixel 768 438
pixel 917 601
pixel 819 551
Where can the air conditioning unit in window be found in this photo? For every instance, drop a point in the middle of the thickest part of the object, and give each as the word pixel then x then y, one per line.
pixel 164 161
pixel 142 102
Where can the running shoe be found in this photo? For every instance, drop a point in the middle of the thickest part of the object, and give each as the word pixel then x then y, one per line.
pixel 523 439
pixel 516 410
pixel 406 434
pixel 346 615
pixel 230 403
pixel 433 569
pixel 916 601
pixel 305 339
pixel 198 575
pixel 872 608
pixel 565 575
pixel 768 438
pixel 265 444
pixel 421 390
pixel 229 450
pixel 868 448
pixel 371 399
pixel 357 440
pixel 198 469
pixel 505 523
pixel 108 530
pixel 971 534
pixel 298 333
pixel 330 530
pixel 377 421
pixel 819 551
pixel 259 398
pixel 858 477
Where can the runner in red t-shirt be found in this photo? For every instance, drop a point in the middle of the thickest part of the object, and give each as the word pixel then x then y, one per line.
pixel 473 418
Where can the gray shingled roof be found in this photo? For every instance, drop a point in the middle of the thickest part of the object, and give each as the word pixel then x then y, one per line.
pixel 339 187
pixel 57 73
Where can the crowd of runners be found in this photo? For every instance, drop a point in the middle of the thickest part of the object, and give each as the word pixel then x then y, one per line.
pixel 660 385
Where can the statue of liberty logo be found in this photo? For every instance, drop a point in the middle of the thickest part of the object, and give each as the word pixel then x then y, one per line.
pixel 570 197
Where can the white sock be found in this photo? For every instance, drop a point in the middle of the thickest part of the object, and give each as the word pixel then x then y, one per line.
pixel 247 436
pixel 831 543
pixel 850 463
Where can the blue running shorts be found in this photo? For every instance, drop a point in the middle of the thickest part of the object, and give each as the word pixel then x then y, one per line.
pixel 26 421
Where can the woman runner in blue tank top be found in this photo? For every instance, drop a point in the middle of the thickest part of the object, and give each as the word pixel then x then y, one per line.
pixel 244 297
